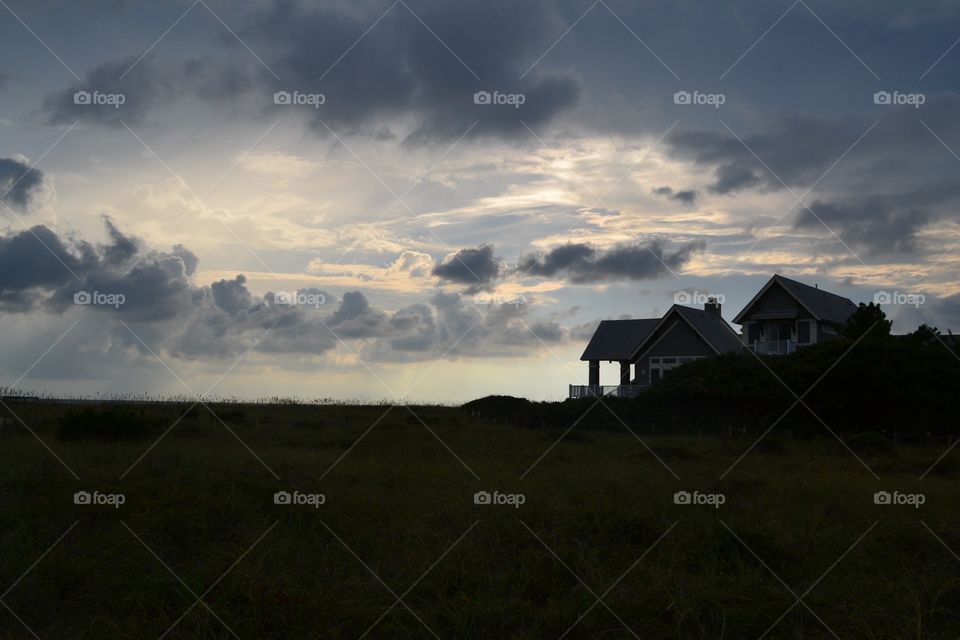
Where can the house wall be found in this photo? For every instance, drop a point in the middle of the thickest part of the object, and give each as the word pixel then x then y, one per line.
pixel 675 339
pixel 777 299
pixel 827 332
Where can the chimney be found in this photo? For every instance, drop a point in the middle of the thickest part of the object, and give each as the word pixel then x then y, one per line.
pixel 712 307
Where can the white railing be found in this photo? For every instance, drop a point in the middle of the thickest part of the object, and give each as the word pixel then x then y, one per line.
pixel 612 391
pixel 773 347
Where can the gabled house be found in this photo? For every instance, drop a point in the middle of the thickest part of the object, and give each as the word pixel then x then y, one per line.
pixel 682 335
pixel 786 314
pixel 648 349
pixel 616 341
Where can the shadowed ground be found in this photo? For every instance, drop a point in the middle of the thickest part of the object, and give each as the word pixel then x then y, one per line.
pixel 598 520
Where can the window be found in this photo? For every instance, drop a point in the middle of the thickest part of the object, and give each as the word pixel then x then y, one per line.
pixel 753 332
pixel 803 332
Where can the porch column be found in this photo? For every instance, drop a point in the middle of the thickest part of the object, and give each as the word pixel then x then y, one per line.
pixel 594 377
pixel 624 372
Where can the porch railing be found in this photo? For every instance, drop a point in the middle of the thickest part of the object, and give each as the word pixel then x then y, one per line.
pixel 773 347
pixel 613 391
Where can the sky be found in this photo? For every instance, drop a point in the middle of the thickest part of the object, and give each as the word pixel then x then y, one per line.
pixel 427 200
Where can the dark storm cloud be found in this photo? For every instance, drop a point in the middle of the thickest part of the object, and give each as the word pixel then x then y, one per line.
pixel 797 149
pixel 400 69
pixel 477 268
pixel 581 263
pixel 232 295
pixel 882 223
pixel 43 271
pixel 38 268
pixel 106 96
pixel 872 224
pixel 18 182
pixel 878 182
pixel 125 90
pixel 33 260
pixel 686 196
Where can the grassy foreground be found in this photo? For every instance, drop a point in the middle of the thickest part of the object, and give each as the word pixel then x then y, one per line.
pixel 399 522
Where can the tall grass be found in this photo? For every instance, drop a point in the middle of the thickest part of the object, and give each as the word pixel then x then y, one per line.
pixel 397 498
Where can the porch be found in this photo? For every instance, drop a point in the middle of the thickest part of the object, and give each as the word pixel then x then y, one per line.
pixel 605 391
pixel 773 347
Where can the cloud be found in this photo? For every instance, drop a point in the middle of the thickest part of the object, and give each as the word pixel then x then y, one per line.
pixel 282 166
pixel 407 67
pixel 419 71
pixel 87 101
pixel 686 196
pixel 18 182
pixel 582 263
pixel 476 268
pixel 879 184
pixel 882 223
pixel 125 90
pixel 41 271
pixel 232 295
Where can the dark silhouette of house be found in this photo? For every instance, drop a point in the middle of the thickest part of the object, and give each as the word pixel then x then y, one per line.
pixel 648 349
pixel 783 315
pixel 786 314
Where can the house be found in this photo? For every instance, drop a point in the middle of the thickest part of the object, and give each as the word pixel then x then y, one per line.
pixel 786 314
pixel 652 347
pixel 783 315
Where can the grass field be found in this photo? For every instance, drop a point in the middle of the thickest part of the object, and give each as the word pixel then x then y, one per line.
pixel 399 549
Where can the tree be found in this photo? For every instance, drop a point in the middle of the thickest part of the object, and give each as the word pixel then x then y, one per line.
pixel 868 317
pixel 925 334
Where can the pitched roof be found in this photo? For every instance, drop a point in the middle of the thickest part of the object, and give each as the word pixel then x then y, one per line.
pixel 714 330
pixel 618 339
pixel 821 304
